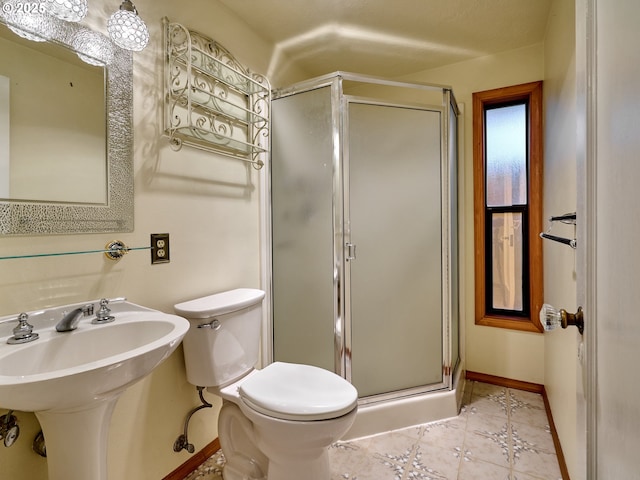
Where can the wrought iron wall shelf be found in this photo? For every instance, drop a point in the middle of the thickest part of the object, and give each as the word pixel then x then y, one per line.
pixel 212 102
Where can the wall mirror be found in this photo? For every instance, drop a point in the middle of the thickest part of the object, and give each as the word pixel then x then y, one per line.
pixel 66 157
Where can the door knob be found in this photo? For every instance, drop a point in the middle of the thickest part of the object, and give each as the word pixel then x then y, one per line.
pixel 551 318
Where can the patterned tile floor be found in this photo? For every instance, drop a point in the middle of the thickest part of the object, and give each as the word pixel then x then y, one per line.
pixel 500 434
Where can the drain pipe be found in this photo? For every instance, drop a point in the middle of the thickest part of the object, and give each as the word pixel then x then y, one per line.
pixel 39 445
pixel 182 442
pixel 9 429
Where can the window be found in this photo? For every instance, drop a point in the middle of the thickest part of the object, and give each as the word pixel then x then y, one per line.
pixel 507 171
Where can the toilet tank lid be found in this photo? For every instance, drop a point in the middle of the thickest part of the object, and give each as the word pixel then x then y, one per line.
pixel 220 303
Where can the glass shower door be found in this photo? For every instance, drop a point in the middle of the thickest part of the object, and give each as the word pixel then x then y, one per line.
pixel 302 198
pixel 394 220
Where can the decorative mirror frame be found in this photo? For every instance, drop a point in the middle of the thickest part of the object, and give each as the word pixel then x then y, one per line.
pixel 39 218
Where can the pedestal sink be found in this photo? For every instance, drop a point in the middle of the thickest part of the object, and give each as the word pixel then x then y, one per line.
pixel 72 380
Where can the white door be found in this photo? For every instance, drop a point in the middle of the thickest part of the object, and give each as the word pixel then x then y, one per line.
pixel 609 232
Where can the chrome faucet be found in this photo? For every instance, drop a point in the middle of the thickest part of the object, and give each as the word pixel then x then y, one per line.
pixel 71 319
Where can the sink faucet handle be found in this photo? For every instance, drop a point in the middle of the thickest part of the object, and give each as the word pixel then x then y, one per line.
pixel 103 314
pixel 23 332
pixel 104 309
pixel 24 327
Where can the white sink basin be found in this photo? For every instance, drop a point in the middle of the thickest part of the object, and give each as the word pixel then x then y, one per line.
pixel 72 380
pixel 63 370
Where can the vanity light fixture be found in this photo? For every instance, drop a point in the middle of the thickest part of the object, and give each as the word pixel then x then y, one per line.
pixel 24 33
pixel 127 29
pixel 69 10
pixel 93 48
pixel 28 22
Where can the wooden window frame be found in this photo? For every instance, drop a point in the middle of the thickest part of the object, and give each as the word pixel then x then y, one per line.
pixel 532 93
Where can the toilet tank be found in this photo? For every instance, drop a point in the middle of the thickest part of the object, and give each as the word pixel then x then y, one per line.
pixel 223 341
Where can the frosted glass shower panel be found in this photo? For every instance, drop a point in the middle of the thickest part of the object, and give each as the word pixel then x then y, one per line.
pixel 364 233
pixel 302 218
pixel 395 217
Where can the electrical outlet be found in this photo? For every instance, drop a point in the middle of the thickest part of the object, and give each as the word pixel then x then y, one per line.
pixel 159 248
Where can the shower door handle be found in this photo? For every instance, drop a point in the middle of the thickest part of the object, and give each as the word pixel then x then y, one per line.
pixel 351 252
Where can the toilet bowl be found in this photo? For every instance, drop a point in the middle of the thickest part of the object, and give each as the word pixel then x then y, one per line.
pixel 276 423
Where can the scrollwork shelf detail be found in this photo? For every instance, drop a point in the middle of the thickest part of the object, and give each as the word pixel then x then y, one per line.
pixel 212 102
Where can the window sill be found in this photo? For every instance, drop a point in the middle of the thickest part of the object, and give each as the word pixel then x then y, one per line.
pixel 511 323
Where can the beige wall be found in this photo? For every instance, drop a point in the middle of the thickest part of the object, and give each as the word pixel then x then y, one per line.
pixel 560 197
pixel 215 245
pixel 495 351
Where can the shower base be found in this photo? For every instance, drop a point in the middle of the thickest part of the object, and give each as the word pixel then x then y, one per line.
pixel 385 416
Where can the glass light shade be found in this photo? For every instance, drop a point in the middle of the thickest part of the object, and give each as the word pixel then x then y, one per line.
pixel 93 48
pixel 128 31
pixel 69 10
pixel 29 23
pixel 25 34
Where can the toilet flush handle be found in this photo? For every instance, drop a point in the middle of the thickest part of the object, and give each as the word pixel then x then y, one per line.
pixel 213 324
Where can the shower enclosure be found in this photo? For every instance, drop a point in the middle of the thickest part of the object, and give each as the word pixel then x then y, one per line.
pixel 364 240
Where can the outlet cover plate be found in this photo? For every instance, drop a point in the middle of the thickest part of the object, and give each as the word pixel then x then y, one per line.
pixel 159 248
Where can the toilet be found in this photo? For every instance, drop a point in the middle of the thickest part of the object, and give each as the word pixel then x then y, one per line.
pixel 276 423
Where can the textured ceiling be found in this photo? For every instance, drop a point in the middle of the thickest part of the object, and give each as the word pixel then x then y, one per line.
pixel 389 37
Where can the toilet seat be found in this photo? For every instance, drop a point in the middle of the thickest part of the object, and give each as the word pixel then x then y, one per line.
pixel 298 392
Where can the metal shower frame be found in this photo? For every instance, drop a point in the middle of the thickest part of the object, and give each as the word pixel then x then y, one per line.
pixel 342 328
